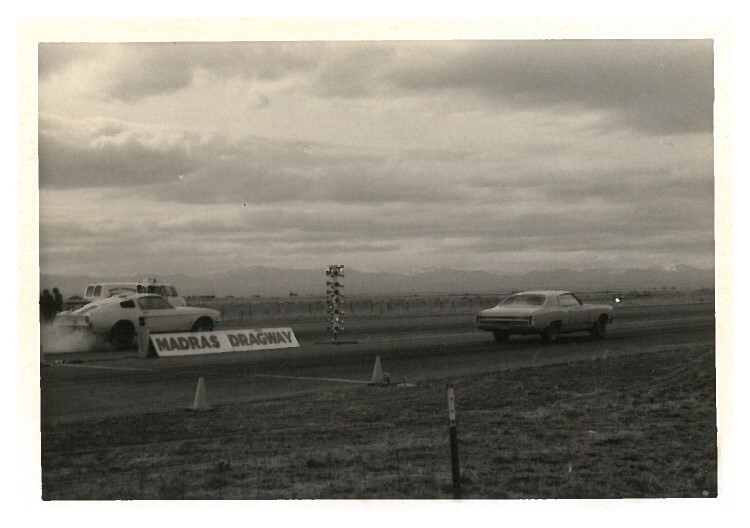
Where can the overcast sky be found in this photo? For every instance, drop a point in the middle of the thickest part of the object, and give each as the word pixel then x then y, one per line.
pixel 384 156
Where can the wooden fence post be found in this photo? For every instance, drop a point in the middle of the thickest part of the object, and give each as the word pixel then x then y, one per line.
pixel 454 443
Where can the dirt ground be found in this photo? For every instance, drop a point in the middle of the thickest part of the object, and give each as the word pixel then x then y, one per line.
pixel 635 426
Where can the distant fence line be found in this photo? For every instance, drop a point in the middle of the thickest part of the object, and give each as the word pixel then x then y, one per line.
pixel 247 311
pixel 259 310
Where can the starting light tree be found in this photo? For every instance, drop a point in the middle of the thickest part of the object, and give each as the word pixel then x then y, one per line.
pixel 335 296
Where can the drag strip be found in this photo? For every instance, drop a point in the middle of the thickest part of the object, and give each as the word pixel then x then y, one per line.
pixel 97 385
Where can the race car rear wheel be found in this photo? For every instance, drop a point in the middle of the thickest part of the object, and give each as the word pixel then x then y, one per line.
pixel 204 324
pixel 122 335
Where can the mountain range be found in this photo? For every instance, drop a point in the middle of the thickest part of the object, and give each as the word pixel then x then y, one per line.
pixel 275 282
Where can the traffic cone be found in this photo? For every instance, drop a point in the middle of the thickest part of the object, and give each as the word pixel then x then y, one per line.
pixel 201 402
pixel 378 378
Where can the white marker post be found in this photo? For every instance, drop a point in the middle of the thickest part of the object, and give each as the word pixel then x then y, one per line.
pixel 454 443
pixel 143 338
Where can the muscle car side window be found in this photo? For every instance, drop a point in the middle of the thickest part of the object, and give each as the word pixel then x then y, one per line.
pixel 568 300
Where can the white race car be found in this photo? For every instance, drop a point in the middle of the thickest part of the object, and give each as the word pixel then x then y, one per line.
pixel 117 318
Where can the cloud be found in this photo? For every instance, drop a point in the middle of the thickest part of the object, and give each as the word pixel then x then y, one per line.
pixel 354 69
pixel 657 86
pixel 129 72
pixel 400 154
pixel 660 86
pixel 55 58
pixel 180 165
pixel 106 152
pixel 152 232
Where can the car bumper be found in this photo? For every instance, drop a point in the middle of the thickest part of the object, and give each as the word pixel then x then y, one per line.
pixel 506 324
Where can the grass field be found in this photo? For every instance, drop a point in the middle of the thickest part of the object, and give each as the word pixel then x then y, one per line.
pixel 636 426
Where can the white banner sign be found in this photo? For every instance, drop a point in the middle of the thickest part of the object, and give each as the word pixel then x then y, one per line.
pixel 192 343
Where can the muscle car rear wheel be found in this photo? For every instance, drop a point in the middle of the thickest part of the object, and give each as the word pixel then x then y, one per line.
pixel 500 336
pixel 599 328
pixel 550 333
pixel 122 335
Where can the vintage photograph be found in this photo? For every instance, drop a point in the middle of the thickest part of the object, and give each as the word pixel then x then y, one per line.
pixel 377 268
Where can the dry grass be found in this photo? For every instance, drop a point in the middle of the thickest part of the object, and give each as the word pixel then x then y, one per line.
pixel 639 426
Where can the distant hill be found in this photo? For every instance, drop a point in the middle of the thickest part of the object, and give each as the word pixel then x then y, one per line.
pixel 272 282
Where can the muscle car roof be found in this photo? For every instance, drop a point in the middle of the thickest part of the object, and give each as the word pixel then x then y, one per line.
pixel 542 292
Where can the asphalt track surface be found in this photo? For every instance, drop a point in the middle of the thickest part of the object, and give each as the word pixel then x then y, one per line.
pixel 413 350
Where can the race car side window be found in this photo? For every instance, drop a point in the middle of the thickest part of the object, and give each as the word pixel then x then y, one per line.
pixel 127 304
pixel 153 303
pixel 98 290
pixel 90 290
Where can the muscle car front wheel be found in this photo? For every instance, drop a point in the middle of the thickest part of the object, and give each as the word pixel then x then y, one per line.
pixel 599 328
